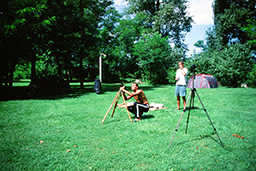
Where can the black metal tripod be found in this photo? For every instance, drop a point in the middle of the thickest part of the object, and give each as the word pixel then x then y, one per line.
pixel 192 96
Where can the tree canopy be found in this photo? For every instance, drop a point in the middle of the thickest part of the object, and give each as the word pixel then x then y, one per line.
pixel 65 38
pixel 229 52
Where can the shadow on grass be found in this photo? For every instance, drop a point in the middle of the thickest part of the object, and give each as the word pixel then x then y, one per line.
pixel 148 117
pixel 132 117
pixel 21 92
pixel 202 137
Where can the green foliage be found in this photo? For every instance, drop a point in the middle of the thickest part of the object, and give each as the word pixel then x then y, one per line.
pixel 36 134
pixel 44 65
pixel 168 18
pixel 22 71
pixel 199 44
pixel 74 33
pixel 140 52
pixel 230 16
pixel 171 76
pixel 233 65
pixel 153 58
pixel 23 38
pixel 127 33
pixel 250 29
pixel 67 30
pixel 229 50
pixel 252 77
pixel 74 36
pixel 230 66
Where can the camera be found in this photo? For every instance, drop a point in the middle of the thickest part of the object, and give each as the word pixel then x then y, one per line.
pixel 121 85
pixel 193 68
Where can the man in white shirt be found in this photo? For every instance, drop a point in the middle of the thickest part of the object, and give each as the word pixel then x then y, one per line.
pixel 181 79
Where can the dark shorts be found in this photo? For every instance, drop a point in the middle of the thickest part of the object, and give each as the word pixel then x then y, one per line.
pixel 138 109
pixel 180 90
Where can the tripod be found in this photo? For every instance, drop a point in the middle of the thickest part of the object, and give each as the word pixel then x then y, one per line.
pixel 192 96
pixel 115 101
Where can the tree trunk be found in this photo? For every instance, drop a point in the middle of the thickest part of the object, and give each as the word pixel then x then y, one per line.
pixel 66 67
pixel 10 77
pixel 82 49
pixel 33 69
pixel 81 78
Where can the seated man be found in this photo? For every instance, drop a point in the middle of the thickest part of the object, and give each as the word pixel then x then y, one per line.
pixel 141 105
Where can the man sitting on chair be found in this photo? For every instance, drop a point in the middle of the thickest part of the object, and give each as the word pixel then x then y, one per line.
pixel 141 105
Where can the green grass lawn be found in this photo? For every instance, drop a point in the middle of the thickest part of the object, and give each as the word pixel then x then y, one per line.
pixel 65 132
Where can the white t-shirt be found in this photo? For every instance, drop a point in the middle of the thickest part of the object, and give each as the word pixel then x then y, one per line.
pixel 181 78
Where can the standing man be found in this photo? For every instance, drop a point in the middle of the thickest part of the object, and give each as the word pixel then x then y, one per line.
pixel 141 105
pixel 181 79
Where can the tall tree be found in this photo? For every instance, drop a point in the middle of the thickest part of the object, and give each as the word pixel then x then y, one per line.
pixel 21 31
pixel 74 34
pixel 168 18
pixel 108 41
pixel 129 31
pixel 230 16
pixel 153 51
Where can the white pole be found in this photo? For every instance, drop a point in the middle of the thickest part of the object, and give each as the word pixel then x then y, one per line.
pixel 100 66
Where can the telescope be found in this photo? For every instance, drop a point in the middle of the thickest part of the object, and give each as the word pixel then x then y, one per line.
pixel 121 84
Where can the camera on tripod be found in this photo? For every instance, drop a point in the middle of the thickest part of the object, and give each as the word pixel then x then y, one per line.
pixel 121 85
pixel 193 68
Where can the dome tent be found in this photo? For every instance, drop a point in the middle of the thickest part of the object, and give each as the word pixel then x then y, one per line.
pixel 202 81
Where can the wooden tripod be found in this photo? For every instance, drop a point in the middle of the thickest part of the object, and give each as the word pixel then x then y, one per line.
pixel 115 101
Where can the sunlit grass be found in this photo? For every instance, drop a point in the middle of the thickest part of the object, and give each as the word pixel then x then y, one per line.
pixel 73 138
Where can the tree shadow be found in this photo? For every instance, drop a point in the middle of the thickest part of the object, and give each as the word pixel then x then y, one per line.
pixel 13 93
pixel 22 92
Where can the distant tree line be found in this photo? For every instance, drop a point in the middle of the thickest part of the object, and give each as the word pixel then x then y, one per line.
pixel 65 38
pixel 229 51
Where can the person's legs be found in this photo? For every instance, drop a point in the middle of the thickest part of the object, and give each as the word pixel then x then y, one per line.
pixel 183 93
pixel 139 109
pixel 178 102
pixel 180 91
pixel 134 109
pixel 131 109
pixel 177 93
pixel 184 101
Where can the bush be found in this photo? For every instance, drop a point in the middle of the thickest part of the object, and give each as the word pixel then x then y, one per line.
pixel 230 65
pixel 22 71
pixel 252 77
pixel 171 76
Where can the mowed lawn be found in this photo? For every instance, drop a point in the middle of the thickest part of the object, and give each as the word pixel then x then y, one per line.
pixel 65 132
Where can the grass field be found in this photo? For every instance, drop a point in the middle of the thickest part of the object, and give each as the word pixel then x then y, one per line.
pixel 65 132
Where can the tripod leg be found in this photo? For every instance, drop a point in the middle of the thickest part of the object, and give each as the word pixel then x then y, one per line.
pixel 126 107
pixel 209 119
pixel 176 128
pixel 111 106
pixel 115 106
pixel 180 118
pixel 192 99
